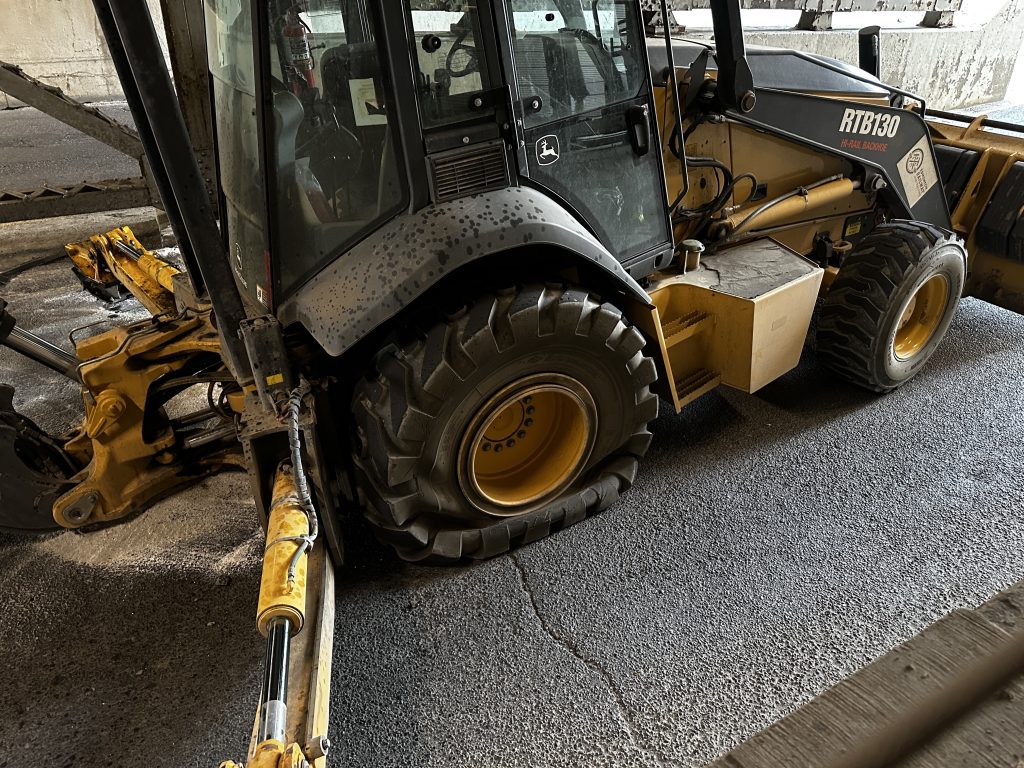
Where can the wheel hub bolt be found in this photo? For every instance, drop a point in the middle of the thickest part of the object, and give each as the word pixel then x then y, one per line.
pixel 529 409
pixel 498 447
pixel 521 434
pixel 510 442
pixel 528 423
pixel 487 446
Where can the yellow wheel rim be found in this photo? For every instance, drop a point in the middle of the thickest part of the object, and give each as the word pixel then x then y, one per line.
pixel 920 317
pixel 527 444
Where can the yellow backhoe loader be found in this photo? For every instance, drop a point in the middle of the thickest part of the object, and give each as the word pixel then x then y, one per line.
pixel 463 249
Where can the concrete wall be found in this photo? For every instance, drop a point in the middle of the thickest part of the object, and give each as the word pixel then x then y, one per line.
pixel 961 66
pixel 59 42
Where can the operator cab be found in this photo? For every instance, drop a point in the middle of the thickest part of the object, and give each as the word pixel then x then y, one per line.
pixel 369 114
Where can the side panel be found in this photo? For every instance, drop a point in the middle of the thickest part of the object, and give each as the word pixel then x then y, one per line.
pixel 892 142
pixel 373 281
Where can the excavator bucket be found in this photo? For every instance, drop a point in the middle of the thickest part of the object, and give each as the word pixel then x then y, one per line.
pixel 981 162
pixel 34 470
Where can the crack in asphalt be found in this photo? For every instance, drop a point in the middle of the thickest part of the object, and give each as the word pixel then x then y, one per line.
pixel 625 714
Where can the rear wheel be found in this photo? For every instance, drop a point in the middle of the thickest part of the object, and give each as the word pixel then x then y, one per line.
pixel 516 416
pixel 891 304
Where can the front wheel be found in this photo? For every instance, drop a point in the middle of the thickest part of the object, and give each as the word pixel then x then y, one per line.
pixel 891 304
pixel 517 416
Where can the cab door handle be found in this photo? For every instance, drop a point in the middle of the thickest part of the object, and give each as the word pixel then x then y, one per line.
pixel 638 122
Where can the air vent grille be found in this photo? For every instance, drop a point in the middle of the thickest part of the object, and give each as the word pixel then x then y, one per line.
pixel 469 171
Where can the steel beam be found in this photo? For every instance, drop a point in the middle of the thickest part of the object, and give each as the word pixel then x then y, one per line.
pixel 185 26
pixel 820 6
pixel 51 100
pixel 87 197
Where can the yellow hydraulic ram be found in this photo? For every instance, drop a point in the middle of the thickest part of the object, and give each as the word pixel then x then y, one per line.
pixel 281 614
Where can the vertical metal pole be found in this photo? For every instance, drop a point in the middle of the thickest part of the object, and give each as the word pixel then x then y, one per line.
pixel 671 82
pixel 869 50
pixel 186 42
pixel 135 48
pixel 735 82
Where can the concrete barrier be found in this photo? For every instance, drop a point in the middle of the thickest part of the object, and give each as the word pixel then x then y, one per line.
pixel 953 67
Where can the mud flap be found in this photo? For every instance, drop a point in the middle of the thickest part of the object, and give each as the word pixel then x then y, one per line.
pixel 34 470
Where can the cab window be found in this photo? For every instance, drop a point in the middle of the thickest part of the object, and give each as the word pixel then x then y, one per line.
pixel 448 50
pixel 331 135
pixel 574 57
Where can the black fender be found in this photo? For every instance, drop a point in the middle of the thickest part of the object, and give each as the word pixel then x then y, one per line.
pixel 371 282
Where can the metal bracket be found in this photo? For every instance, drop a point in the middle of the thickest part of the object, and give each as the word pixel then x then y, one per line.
pixel 264 342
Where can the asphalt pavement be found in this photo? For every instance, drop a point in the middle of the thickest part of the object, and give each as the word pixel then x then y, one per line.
pixel 36 149
pixel 772 544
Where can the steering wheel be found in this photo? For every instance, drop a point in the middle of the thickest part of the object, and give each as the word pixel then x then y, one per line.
pixel 462 59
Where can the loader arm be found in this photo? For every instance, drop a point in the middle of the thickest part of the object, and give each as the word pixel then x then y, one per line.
pixel 981 163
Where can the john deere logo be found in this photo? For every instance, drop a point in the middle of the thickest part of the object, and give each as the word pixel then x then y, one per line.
pixel 915 160
pixel 547 149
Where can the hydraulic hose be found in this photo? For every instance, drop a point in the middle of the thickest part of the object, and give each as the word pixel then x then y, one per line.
pixel 292 411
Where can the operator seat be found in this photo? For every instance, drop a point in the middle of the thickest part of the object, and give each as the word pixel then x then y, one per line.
pixel 341 68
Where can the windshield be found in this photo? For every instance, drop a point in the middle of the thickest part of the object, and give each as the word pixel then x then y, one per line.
pixel 335 168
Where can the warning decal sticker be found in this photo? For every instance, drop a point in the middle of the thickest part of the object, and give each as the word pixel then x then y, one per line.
pixel 366 107
pixel 917 171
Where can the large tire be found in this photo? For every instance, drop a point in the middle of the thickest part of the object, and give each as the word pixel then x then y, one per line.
pixel 428 396
pixel 891 304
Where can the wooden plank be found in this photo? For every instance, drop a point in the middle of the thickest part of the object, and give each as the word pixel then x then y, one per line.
pixel 892 709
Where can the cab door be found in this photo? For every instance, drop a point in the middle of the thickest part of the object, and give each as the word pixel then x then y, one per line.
pixel 585 123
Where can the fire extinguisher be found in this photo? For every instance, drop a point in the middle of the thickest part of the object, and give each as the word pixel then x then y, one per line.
pixel 297 51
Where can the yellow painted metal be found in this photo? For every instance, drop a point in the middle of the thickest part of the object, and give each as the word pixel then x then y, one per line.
pixel 829 277
pixel 920 317
pixel 131 460
pixel 149 278
pixel 779 165
pixel 798 207
pixel 152 265
pixel 281 596
pixel 317 696
pixel 272 754
pixel 707 336
pixel 990 276
pixel 309 666
pixel 528 443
